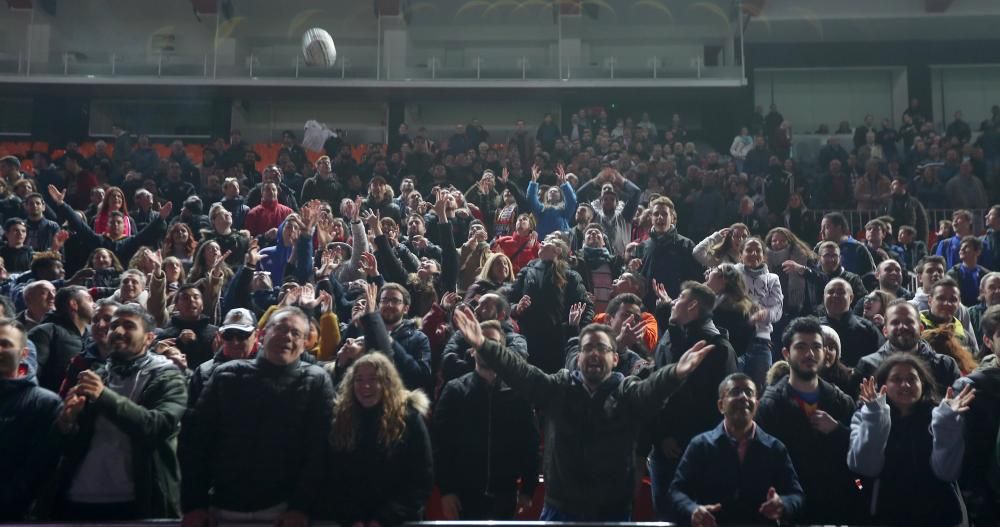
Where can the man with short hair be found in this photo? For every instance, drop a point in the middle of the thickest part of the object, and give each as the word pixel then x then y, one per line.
pixel 121 423
pixel 961 222
pixel 906 209
pixel 945 300
pixel 594 418
pixel 41 230
pixel 736 473
pixel 910 250
pixel 830 267
pixel 27 413
pixel 97 349
pixel 624 316
pixel 902 331
pixel 455 359
pixel 855 257
pixel 858 335
pixel 889 274
pixel 692 410
pixel 968 273
pixel 812 418
pixel 39 301
pixel 280 474
pixel 269 215
pixel 666 256
pixel 273 174
pixel 190 330
pixel 989 296
pixel 615 216
pixel 990 258
pixel 485 439
pixel 62 334
pixel 235 340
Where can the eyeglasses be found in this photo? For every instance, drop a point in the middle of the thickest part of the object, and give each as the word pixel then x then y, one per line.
pixel 230 336
pixel 391 301
pixel 599 348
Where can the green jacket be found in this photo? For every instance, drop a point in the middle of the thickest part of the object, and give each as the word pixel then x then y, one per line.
pixel 590 462
pixel 151 421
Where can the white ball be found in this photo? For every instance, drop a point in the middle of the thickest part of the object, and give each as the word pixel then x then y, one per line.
pixel 318 48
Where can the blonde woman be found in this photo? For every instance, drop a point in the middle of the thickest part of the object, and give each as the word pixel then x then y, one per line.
pixel 381 461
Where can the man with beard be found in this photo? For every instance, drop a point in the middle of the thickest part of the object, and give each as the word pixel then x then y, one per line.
pixel 762 487
pixel 594 418
pixel 121 423
pixel 812 418
pixel 97 350
pixel 190 330
pixel 691 411
pixel 902 330
pixel 62 334
pixel 277 476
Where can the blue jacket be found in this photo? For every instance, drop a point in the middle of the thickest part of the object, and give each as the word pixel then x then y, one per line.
pixel 551 219
pixel 854 256
pixel 949 249
pixel 275 258
pixel 710 472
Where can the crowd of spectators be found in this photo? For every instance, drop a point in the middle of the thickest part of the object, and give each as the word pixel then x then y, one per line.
pixel 330 340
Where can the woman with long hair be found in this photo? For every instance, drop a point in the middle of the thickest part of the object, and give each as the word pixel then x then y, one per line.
pixel 559 206
pixel 784 246
pixel 107 268
pixel 764 288
pixel 543 294
pixel 910 444
pixel 522 246
pixel 114 201
pixel 381 460
pixel 733 306
pixel 180 242
pixel 497 272
pixel 874 305
pixel 942 340
pixel 722 247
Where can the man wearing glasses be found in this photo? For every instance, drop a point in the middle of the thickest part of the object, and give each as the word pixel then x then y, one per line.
pixel 253 446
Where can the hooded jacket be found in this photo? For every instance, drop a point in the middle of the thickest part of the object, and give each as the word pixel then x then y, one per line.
pixel 275 258
pixel 266 216
pixel 150 416
pixel 764 288
pixel 27 415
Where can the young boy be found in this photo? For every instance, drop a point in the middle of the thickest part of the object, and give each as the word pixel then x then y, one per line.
pixel 968 272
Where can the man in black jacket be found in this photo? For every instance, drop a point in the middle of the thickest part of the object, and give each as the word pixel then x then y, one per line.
pixel 693 409
pixel 121 423
pixel 594 417
pixel 829 268
pixel 237 334
pixel 190 330
pixel 624 315
pixel 62 334
pixel 667 256
pixel 812 418
pixel 286 405
pixel 485 439
pixel 980 481
pixel 455 359
pixel 858 335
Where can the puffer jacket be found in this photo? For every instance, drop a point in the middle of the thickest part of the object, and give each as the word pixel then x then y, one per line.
pixel 57 340
pixel 286 409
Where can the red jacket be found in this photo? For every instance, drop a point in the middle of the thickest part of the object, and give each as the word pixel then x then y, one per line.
pixel 510 245
pixel 265 217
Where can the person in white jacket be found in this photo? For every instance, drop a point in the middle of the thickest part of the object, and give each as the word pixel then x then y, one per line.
pixel 723 246
pixel 908 446
pixel 764 288
pixel 742 144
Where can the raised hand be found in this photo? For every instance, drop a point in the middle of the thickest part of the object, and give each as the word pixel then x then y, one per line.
pixel 960 403
pixel 791 266
pixel 634 265
pixel 632 331
pixel 449 300
pixel 868 394
pixel 561 173
pixel 371 297
pixel 325 301
pixel 662 297
pixel 773 508
pixel 535 173
pixel 441 207
pixel 373 221
pixel 692 358
pixel 504 175
pixel 57 197
pixel 369 264
pixel 165 210
pixel 252 257
pixel 465 321
pixel 576 313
